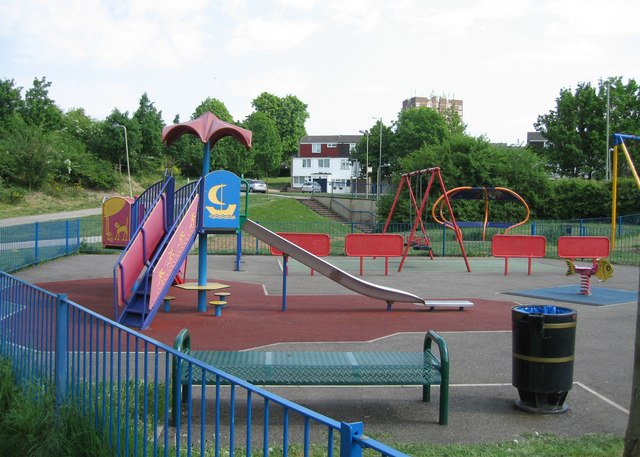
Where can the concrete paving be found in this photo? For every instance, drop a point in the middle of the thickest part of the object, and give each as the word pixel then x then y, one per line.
pixel 481 396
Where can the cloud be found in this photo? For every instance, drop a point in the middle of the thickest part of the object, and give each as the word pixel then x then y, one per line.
pixel 160 34
pixel 272 35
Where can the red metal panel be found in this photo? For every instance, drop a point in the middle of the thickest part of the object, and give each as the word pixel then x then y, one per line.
pixel 589 247
pixel 318 244
pixel 374 245
pixel 518 246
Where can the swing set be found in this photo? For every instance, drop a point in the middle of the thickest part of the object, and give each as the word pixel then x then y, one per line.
pixel 486 194
pixel 421 241
pixel 619 144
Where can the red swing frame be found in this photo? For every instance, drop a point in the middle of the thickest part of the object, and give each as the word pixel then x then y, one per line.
pixel 406 179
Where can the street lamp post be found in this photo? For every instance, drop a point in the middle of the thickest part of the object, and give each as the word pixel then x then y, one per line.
pixel 379 187
pixel 126 149
pixel 366 175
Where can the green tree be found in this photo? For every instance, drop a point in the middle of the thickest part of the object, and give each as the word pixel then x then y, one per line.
pixel 266 148
pixel 415 128
pixel 24 155
pixel 467 161
pixel 290 115
pixel 10 99
pixel 214 106
pixel 150 124
pixel 624 105
pixel 576 129
pixel 39 109
pixel 115 145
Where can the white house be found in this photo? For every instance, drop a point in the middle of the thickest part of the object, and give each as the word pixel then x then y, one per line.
pixel 327 160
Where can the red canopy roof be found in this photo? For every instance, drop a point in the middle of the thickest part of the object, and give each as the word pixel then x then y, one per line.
pixel 209 128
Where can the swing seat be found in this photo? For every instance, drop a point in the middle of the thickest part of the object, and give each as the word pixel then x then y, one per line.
pixel 422 247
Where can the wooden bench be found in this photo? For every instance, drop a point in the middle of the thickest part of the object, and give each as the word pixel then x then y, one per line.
pixel 374 245
pixel 302 368
pixel 523 246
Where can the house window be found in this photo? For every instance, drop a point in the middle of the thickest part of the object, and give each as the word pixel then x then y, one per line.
pixel 332 145
pixel 299 179
pixel 306 163
pixel 344 164
pixel 316 148
pixel 323 163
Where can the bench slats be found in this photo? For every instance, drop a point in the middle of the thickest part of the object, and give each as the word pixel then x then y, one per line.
pixel 322 368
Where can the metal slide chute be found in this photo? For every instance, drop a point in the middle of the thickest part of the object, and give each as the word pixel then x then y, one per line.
pixel 332 272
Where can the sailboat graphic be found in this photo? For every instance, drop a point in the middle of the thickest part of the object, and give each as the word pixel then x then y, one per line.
pixel 216 197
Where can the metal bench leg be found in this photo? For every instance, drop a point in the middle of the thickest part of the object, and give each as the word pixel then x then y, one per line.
pixel 426 392
pixel 444 404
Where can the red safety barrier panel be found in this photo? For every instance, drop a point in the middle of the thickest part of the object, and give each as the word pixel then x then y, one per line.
pixel 374 245
pixel 585 247
pixel 318 244
pixel 527 246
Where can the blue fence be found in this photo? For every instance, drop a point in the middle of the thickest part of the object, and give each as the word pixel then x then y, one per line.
pixel 29 244
pixel 120 381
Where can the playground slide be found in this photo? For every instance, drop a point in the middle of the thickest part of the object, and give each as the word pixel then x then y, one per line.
pixel 343 278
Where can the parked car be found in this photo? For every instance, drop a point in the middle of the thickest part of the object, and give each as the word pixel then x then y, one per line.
pixel 255 185
pixel 311 186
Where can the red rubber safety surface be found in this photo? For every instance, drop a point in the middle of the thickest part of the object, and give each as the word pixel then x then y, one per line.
pixel 252 319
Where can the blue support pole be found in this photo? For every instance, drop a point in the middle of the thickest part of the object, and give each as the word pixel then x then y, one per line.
pixel 202 237
pixel 238 248
pixel 62 343
pixel 284 281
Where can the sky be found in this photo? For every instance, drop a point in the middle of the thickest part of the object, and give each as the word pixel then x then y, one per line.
pixel 350 61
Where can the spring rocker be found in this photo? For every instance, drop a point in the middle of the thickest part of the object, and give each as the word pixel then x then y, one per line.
pixel 601 268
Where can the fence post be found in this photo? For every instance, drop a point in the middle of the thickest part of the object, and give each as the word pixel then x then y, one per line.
pixel 66 237
pixel 77 235
pixel 348 431
pixel 35 241
pixel 62 341
pixel 444 240
pixel 534 229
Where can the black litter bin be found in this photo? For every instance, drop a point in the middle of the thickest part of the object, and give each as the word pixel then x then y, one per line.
pixel 543 354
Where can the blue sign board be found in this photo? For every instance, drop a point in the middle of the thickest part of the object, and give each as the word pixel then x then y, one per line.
pixel 221 201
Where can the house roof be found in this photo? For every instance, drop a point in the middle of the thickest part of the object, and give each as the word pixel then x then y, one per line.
pixel 325 139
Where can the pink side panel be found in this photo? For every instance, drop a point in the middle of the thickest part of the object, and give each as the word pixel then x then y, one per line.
pixel 154 228
pixel 130 267
pixel 374 245
pixel 134 260
pixel 177 245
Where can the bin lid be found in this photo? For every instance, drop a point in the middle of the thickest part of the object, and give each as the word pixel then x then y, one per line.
pixel 543 309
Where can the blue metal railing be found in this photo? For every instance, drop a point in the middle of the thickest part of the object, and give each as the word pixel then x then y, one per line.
pixel 120 381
